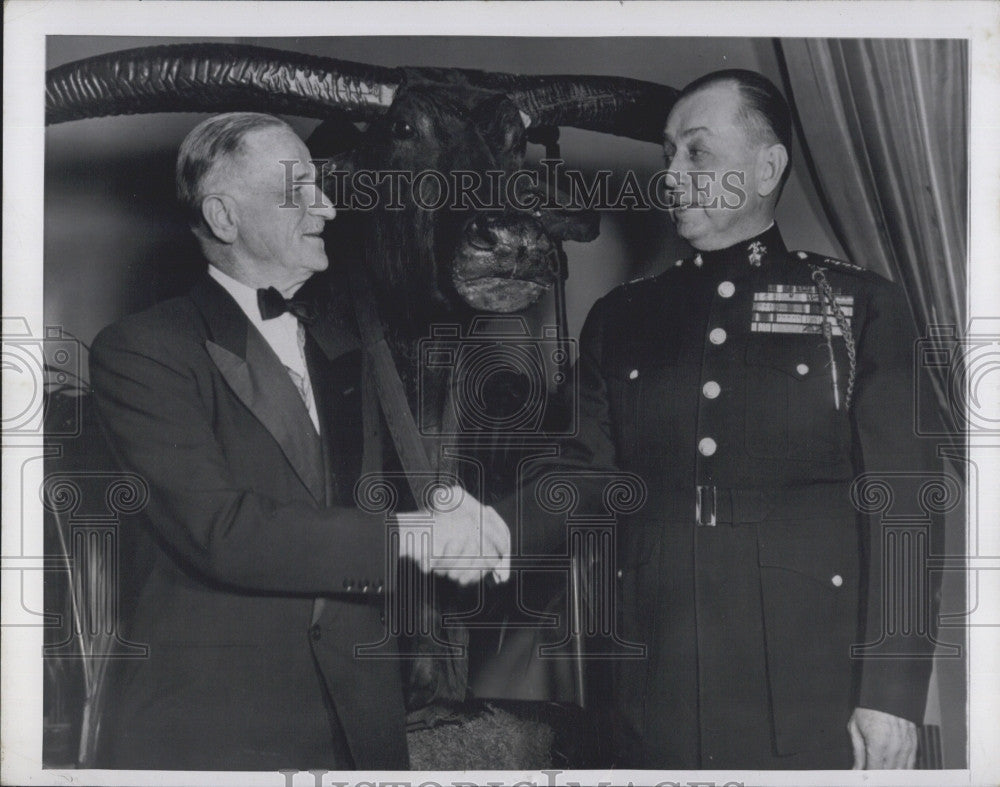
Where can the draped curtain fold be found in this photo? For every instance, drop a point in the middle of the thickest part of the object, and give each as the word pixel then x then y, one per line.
pixel 885 130
pixel 885 124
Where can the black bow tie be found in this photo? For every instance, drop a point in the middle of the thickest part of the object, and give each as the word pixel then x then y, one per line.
pixel 272 305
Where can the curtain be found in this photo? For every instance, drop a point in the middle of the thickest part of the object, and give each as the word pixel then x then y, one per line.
pixel 885 125
pixel 885 131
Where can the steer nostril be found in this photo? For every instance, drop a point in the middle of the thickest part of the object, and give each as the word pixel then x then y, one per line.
pixel 481 234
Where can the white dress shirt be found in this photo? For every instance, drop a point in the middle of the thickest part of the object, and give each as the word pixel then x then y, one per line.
pixel 280 333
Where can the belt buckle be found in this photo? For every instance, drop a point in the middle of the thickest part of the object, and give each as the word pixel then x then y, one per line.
pixel 704 506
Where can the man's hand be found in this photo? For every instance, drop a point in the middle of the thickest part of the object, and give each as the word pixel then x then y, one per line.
pixel 881 740
pixel 467 538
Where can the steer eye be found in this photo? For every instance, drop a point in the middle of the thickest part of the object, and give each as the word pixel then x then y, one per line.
pixel 403 130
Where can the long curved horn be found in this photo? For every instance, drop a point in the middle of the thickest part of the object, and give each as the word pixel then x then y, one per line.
pixel 222 77
pixel 615 105
pixel 216 78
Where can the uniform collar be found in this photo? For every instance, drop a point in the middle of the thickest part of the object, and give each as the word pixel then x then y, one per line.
pixel 752 253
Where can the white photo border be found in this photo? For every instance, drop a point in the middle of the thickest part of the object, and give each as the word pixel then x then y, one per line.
pixel 28 22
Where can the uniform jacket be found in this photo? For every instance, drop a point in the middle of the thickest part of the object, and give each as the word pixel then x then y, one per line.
pixel 250 520
pixel 714 383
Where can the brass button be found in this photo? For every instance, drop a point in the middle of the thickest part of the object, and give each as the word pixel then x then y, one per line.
pixel 348 584
pixel 711 389
pixel 717 335
pixel 802 369
pixel 836 580
pixel 633 374
pixel 726 289
pixel 707 446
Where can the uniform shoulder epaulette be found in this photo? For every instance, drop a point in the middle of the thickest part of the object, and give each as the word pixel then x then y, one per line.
pixel 831 262
pixel 629 289
pixel 621 291
pixel 640 281
pixel 670 267
pixel 693 260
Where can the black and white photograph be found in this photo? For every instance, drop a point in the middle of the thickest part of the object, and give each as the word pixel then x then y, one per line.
pixel 500 393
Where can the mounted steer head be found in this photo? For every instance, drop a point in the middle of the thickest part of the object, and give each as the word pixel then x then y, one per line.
pixel 451 235
pixel 423 263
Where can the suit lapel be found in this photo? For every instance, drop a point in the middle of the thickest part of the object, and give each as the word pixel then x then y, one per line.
pixel 333 359
pixel 337 387
pixel 260 381
pixel 319 376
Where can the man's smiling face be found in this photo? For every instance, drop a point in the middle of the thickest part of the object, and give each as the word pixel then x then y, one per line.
pixel 280 224
pixel 715 161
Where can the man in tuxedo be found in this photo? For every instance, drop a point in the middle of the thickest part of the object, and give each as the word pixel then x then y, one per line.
pixel 242 412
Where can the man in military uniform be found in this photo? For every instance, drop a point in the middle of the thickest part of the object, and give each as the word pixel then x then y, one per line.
pixel 748 386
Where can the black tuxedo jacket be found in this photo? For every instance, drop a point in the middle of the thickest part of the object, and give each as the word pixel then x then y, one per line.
pixel 251 521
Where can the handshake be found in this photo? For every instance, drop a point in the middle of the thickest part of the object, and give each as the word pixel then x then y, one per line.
pixel 467 538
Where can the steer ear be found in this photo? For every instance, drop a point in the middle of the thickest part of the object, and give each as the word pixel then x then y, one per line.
pixel 333 142
pixel 332 145
pixel 333 138
pixel 501 126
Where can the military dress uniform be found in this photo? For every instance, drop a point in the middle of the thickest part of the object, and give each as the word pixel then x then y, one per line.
pixel 747 388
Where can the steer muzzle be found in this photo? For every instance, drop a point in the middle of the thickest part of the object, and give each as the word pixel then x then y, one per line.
pixel 504 262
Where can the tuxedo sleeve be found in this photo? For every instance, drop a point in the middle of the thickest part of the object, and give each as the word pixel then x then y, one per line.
pixel 149 392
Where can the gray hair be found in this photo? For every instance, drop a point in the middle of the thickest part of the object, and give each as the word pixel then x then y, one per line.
pixel 210 143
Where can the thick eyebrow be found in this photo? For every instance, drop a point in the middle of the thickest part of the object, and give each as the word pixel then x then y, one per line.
pixel 303 173
pixel 688 132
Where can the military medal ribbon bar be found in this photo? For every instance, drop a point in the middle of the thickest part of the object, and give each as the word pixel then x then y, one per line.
pixel 793 308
